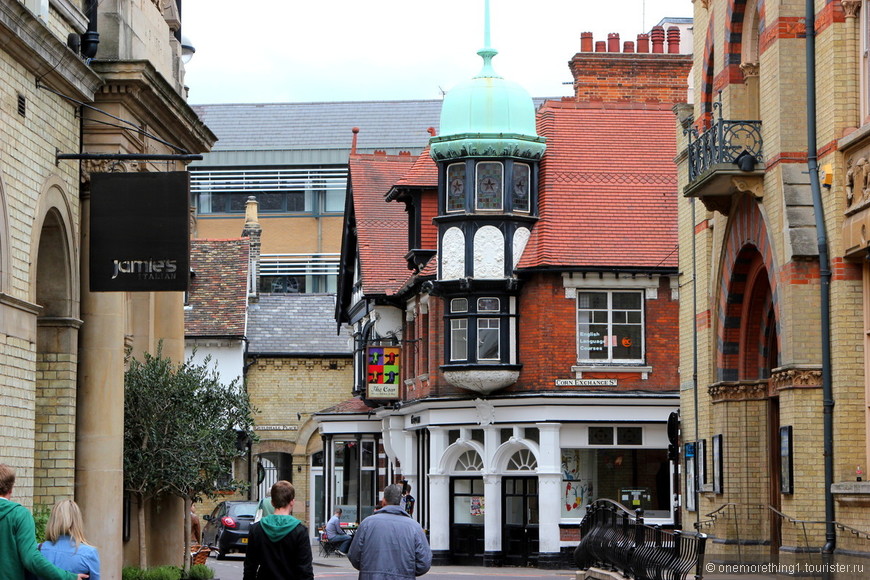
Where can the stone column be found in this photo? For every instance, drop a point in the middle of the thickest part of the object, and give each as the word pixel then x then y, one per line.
pixel 168 326
pixel 100 417
pixel 851 77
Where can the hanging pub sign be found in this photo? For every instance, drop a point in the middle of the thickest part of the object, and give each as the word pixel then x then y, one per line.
pixel 139 232
pixel 382 372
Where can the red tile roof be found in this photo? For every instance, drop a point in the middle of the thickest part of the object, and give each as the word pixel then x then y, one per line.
pixel 350 406
pixel 382 227
pixel 424 173
pixel 217 296
pixel 608 188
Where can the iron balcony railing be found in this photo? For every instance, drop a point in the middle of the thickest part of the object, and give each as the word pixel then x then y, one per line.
pixel 615 539
pixel 724 142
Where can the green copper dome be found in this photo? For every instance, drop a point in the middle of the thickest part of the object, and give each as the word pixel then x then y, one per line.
pixel 487 116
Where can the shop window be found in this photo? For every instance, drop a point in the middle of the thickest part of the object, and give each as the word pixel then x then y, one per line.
pixel 637 478
pixel 468 504
pixel 456 187
pixel 488 185
pixel 610 326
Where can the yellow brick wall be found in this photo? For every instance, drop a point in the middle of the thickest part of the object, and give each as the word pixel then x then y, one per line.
pixel 280 388
pixel 27 170
pixel 782 106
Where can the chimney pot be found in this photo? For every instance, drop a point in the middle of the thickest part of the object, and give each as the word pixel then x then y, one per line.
pixel 658 39
pixel 600 46
pixel 613 42
pixel 628 46
pixel 585 42
pixel 673 40
pixel 643 43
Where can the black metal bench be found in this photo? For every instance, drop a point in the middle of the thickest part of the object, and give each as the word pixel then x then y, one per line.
pixel 616 539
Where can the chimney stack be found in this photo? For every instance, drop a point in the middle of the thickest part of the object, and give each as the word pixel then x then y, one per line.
pixel 253 232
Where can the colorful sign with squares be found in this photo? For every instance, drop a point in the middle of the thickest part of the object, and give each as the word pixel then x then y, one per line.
pixel 383 372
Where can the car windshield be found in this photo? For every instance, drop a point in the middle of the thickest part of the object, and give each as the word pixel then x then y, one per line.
pixel 243 509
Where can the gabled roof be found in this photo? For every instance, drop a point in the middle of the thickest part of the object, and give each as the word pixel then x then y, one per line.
pixel 217 298
pixel 608 188
pixel 381 227
pixel 424 173
pixel 296 324
pixel 281 126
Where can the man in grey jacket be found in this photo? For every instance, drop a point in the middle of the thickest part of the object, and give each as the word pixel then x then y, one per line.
pixel 389 544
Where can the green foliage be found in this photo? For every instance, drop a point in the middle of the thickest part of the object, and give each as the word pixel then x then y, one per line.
pixel 132 573
pixel 163 573
pixel 200 572
pixel 180 426
pixel 40 518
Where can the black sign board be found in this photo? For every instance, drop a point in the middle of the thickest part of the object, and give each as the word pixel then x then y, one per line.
pixel 140 232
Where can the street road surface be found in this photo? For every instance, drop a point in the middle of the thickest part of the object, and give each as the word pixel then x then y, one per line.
pixel 340 568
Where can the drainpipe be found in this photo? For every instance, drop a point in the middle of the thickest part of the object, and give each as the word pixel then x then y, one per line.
pixel 91 38
pixel 824 277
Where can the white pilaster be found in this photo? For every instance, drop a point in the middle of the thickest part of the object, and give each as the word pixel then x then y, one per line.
pixel 549 487
pixel 492 514
pixel 439 515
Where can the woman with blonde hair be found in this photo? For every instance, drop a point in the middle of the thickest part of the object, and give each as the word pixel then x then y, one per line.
pixel 65 545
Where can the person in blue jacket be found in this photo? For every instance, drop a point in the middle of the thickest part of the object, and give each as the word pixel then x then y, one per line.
pixel 65 545
pixel 390 544
pixel 18 551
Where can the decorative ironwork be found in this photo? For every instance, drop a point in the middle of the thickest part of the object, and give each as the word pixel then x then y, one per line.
pixel 724 142
pixel 614 538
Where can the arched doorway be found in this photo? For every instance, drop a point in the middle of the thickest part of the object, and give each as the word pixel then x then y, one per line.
pixel 56 361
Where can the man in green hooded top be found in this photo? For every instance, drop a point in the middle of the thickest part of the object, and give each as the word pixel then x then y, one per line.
pixel 278 545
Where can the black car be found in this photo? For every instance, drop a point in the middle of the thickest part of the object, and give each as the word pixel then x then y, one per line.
pixel 226 529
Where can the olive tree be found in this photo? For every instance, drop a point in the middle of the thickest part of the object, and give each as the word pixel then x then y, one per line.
pixel 181 425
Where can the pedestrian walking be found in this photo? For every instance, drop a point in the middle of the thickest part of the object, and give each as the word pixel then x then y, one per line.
pixel 18 550
pixel 389 544
pixel 278 545
pixel 65 545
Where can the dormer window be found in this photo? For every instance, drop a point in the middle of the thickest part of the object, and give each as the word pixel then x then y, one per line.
pixel 456 187
pixel 489 186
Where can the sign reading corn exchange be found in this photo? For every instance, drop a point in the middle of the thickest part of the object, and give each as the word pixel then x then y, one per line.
pixel 383 372
pixel 139 232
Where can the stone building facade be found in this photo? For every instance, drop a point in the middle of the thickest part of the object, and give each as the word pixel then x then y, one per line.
pixel 774 394
pixel 68 67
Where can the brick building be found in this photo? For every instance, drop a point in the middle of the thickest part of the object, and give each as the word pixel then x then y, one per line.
pixel 773 254
pixel 80 77
pixel 523 272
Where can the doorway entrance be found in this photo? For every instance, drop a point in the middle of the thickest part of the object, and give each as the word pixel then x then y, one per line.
pixel 520 509
pixel 466 520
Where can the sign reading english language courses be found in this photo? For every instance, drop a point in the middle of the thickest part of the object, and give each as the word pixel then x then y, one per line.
pixel 140 232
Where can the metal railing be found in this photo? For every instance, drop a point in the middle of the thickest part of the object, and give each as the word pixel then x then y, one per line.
pixel 616 539
pixel 724 142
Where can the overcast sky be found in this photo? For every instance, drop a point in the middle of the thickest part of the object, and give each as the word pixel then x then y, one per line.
pixel 268 51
